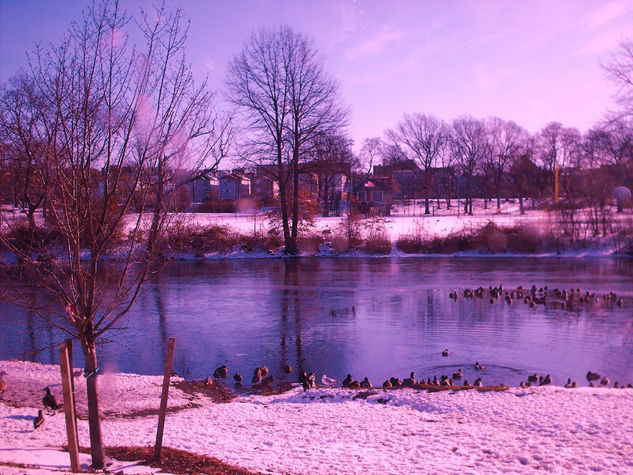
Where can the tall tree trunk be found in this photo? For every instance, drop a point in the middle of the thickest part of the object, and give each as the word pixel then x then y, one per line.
pixel 521 205
pixel 295 210
pixel 94 417
pixel 426 206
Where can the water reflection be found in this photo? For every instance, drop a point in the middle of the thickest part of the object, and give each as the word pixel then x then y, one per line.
pixel 371 317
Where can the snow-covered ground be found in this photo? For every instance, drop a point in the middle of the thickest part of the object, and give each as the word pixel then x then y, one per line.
pixel 330 431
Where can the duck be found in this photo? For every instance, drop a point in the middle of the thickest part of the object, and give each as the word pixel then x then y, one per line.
pixel 287 369
pixel 3 383
pixel 311 380
pixel 395 383
pixel 268 380
pixel 410 381
pixel 365 383
pixel 479 367
pixel 39 420
pixel 592 376
pixel 264 371
pixel 524 384
pixel 348 379
pixel 238 378
pixel 545 381
pixel 327 381
pixel 570 383
pixel 445 353
pixel 604 381
pixel 208 381
pixel 257 375
pixel 478 383
pixel 221 372
pixel 387 384
pixel 532 378
pixel 466 383
pixel 49 400
pixel 459 374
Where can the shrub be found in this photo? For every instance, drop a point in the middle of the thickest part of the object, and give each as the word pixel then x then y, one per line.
pixel 25 239
pixel 377 245
pixel 411 244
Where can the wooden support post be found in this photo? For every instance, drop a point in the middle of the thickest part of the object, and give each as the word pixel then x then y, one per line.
pixel 163 400
pixel 69 408
pixel 69 347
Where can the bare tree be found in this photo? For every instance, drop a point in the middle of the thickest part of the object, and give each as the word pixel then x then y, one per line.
pixel 23 146
pixel 423 139
pixel 278 82
pixel 620 69
pixel 506 139
pixel 559 148
pixel 332 161
pixel 470 148
pixel 371 150
pixel 114 118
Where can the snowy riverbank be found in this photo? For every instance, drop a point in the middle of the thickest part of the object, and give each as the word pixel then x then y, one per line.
pixel 333 430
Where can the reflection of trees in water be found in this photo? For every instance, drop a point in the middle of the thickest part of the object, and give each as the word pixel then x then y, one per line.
pixel 291 303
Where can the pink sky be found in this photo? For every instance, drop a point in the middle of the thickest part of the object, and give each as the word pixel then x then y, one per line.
pixel 529 61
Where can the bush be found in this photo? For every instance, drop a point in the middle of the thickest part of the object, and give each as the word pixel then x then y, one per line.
pixel 309 243
pixel 377 245
pixel 411 244
pixel 25 239
pixel 260 242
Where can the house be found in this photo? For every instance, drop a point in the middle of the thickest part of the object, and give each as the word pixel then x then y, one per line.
pixel 204 188
pixel 234 186
pixel 408 178
pixel 374 196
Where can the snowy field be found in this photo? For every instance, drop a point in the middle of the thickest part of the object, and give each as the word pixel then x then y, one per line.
pixel 324 431
pixel 405 221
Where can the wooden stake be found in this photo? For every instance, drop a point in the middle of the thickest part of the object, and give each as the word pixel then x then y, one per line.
pixel 69 347
pixel 69 408
pixel 163 400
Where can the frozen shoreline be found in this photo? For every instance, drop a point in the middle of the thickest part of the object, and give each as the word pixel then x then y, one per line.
pixel 327 430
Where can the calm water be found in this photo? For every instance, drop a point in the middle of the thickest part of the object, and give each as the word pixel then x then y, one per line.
pixel 370 317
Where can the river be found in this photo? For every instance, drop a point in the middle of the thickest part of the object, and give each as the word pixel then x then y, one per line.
pixel 375 317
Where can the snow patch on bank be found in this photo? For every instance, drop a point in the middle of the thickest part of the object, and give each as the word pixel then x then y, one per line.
pixel 385 431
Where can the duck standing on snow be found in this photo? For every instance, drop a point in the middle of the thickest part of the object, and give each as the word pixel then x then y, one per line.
pixel 410 381
pixel 592 376
pixel 39 420
pixel 49 400
pixel 221 372
pixel 365 383
pixel 257 375
pixel 545 381
pixel 327 381
pixel 348 380
pixel 3 384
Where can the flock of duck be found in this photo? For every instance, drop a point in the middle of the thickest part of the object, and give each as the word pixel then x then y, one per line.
pixel 555 298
